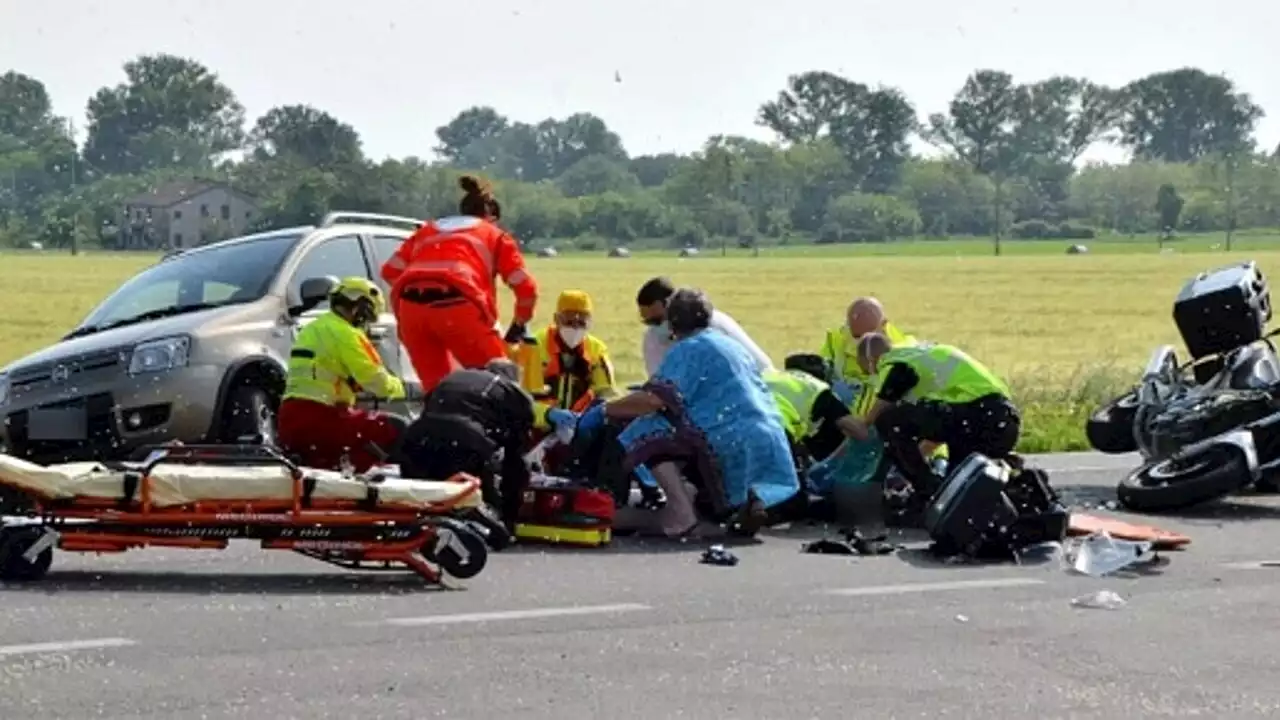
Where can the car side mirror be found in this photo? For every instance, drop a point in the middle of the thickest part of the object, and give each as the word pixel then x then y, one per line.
pixel 313 292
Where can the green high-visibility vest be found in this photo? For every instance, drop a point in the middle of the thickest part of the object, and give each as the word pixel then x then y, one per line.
pixel 795 393
pixel 947 374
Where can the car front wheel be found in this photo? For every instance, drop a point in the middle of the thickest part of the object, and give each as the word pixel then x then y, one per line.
pixel 249 416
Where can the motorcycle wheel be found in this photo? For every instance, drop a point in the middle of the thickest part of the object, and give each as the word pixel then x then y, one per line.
pixel 1180 482
pixel 1110 427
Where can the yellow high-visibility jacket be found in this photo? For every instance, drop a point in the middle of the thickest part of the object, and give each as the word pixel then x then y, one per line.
pixel 547 375
pixel 332 360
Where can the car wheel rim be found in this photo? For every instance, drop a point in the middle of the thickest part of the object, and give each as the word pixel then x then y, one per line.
pixel 267 426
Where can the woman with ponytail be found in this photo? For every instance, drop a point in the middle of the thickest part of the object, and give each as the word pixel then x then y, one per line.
pixel 444 292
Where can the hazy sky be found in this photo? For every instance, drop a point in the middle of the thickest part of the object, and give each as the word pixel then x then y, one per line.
pixel 397 69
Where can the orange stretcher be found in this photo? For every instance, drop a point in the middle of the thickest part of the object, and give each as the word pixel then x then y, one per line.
pixel 204 496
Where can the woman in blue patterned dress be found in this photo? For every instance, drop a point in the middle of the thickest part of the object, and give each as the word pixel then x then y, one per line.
pixel 707 428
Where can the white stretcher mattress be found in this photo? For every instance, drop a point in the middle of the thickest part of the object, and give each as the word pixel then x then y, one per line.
pixel 181 484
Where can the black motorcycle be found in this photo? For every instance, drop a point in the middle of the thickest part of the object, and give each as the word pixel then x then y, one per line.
pixel 1176 404
pixel 1208 469
pixel 1232 382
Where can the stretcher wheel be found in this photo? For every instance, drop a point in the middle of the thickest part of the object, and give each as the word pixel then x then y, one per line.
pixel 459 551
pixel 14 543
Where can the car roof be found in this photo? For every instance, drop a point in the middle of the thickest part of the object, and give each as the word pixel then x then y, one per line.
pixel 358 222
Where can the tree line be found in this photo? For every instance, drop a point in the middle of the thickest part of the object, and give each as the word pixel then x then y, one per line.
pixel 840 169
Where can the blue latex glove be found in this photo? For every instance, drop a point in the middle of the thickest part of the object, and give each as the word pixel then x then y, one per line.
pixel 843 391
pixel 645 476
pixel 560 419
pixel 592 420
pixel 821 475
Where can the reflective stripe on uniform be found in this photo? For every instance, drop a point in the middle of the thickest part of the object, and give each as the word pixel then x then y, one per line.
pixel 483 250
pixel 945 373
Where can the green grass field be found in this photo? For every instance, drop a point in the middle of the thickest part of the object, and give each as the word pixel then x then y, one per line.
pixel 1067 331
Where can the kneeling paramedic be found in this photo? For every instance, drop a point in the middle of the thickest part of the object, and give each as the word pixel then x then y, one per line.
pixel 933 392
pixel 443 291
pixel 566 370
pixel 331 361
pixel 568 367
pixel 476 422
pixel 811 412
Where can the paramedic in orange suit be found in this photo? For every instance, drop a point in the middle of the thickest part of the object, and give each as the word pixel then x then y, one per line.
pixel 443 292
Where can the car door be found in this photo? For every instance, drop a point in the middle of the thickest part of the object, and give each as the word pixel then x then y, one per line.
pixel 382 247
pixel 341 256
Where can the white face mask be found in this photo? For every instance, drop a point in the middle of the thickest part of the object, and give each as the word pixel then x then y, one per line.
pixel 573 337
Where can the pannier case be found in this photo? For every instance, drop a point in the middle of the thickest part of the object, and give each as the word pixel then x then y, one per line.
pixel 969 505
pixel 986 509
pixel 1220 310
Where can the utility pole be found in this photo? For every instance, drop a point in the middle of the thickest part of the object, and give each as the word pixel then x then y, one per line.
pixel 75 214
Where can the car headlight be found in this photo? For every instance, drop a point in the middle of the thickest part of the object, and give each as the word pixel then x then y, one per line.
pixel 160 355
pixel 4 389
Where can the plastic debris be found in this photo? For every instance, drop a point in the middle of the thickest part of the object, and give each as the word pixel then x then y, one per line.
pixel 1101 600
pixel 718 555
pixel 1100 554
pixel 962 618
pixel 1050 554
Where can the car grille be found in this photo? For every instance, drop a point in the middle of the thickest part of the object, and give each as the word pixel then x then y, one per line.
pixel 102 442
pixel 83 368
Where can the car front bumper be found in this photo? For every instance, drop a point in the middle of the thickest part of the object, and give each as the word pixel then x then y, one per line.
pixel 108 419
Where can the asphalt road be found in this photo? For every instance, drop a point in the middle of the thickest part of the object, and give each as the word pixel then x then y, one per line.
pixel 638 632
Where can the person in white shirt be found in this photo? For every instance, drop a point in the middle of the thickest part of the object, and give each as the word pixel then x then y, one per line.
pixel 652 300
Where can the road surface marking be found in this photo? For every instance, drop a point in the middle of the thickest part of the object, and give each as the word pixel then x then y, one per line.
pixel 934 587
pixel 67 646
pixel 514 615
pixel 1253 565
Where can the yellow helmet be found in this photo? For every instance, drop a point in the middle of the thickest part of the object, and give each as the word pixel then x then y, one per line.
pixel 354 289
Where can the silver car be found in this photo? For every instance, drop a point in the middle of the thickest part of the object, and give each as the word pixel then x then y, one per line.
pixel 194 347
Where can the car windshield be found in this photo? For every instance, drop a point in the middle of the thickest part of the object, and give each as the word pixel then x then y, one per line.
pixel 209 277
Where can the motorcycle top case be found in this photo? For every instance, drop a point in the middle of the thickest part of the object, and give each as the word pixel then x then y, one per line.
pixel 566 513
pixel 1220 310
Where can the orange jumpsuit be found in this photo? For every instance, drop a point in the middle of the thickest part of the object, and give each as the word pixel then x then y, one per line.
pixel 445 299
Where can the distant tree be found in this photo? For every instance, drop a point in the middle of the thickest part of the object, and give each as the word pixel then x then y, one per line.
pixel 595 175
pixel 305 134
pixel 1169 206
pixel 653 170
pixel 36 151
pixel 1186 115
pixel 981 127
pixel 473 125
pixel 170 112
pixel 809 105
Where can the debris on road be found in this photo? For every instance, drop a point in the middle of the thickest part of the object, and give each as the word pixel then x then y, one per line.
pixel 1101 600
pixel 718 555
pixel 854 543
pixel 1046 553
pixel 1100 554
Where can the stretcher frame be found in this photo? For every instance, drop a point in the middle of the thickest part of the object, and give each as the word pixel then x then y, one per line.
pixel 429 541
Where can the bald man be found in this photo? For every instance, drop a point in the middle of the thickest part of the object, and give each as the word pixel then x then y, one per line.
pixel 864 315
pixel 932 392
